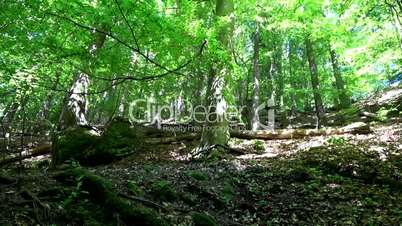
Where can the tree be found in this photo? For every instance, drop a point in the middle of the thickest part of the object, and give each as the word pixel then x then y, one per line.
pixel 319 108
pixel 216 129
pixel 75 105
pixel 343 97
pixel 256 80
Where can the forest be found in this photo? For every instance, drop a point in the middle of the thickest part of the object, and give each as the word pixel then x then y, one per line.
pixel 200 112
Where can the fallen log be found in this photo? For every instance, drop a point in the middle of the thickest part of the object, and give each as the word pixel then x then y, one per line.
pixel 354 128
pixel 169 140
pixel 38 151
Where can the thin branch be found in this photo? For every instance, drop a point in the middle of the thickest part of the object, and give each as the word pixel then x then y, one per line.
pixel 3 26
pixel 128 24
pixel 109 34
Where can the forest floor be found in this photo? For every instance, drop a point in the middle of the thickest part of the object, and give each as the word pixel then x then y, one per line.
pixel 324 180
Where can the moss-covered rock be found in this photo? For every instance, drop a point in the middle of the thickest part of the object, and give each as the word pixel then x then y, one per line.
pixel 73 143
pixel 90 147
pixel 203 219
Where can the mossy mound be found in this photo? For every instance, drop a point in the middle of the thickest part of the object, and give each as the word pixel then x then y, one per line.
pixel 74 143
pixel 90 147
pixel 100 192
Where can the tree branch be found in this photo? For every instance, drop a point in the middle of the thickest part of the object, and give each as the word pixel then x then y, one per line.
pixel 114 37
pixel 128 24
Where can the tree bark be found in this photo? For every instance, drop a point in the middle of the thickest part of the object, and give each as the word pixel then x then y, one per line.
pixel 344 99
pixel 395 14
pixel 10 113
pixel 278 74
pixel 319 108
pixel 293 105
pixel 255 121
pixel 75 105
pixel 216 128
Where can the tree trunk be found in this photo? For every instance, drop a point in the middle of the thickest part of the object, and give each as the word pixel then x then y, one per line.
pixel 75 106
pixel 10 114
pixel 122 102
pixel 271 96
pixel 216 128
pixel 395 14
pixel 343 97
pixel 75 103
pixel 293 104
pixel 255 121
pixel 278 74
pixel 319 108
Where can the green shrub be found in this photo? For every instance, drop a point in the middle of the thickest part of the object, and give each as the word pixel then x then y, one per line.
pixel 259 146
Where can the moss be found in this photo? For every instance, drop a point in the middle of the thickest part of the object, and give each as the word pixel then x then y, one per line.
pixel 89 148
pixel 198 175
pixel 71 144
pixel 203 219
pixel 163 190
pixel 120 139
pixel 348 161
pixel 100 192
pixel 349 115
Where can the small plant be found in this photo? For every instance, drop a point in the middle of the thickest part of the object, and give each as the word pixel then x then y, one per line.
pixel 228 192
pixel 259 146
pixel 75 193
pixel 134 188
pixel 338 141
pixel 164 191
pixel 215 155
pixel 73 163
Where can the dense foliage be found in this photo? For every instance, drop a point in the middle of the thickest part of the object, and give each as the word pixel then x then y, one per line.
pixel 165 49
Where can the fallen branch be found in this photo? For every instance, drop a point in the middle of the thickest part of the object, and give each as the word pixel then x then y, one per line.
pixel 354 128
pixel 143 201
